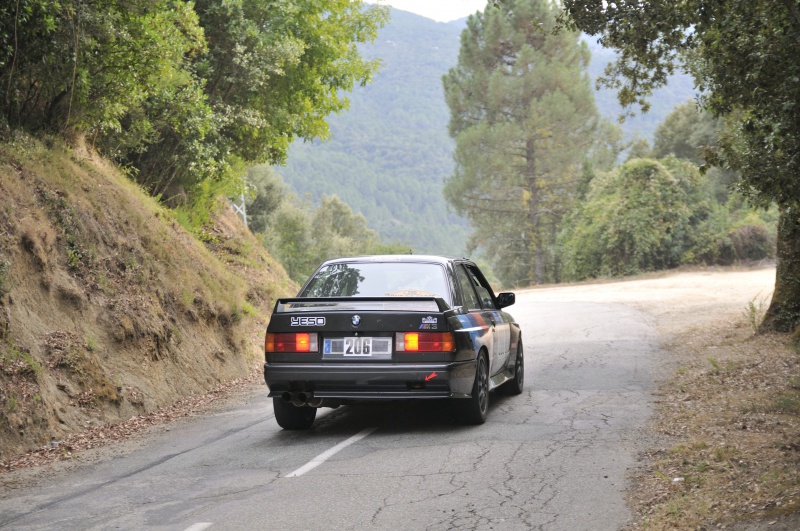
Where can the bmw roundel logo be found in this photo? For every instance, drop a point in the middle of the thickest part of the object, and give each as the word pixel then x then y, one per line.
pixel 356 320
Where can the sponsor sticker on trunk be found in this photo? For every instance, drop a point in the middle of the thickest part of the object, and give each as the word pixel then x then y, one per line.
pixel 308 321
pixel 429 323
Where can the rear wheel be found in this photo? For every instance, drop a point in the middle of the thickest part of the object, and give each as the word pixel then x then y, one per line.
pixel 514 386
pixel 474 410
pixel 291 417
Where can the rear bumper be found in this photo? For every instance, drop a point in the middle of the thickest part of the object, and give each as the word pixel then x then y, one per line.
pixel 372 381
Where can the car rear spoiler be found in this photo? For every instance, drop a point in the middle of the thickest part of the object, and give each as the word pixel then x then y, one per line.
pixel 362 303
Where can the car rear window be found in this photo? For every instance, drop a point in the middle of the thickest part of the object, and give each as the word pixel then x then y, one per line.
pixel 364 279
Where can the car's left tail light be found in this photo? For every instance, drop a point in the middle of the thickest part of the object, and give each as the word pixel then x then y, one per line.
pixel 296 342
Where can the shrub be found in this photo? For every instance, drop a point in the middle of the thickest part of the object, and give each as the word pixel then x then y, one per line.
pixel 640 216
pixel 752 243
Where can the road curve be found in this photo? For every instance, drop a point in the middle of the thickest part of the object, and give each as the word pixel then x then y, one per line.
pixel 553 458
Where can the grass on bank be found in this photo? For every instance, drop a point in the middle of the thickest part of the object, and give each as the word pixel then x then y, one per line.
pixel 731 416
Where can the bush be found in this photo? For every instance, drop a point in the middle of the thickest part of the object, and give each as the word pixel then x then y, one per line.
pixel 752 243
pixel 640 216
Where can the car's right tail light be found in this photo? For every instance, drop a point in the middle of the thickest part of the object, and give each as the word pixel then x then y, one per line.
pixel 425 342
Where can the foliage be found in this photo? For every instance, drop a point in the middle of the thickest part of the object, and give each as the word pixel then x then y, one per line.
pixel 755 310
pixel 523 116
pixel 266 193
pixel 184 93
pixel 637 217
pixel 649 215
pixel 83 66
pixel 301 236
pixel 685 133
pixel 744 57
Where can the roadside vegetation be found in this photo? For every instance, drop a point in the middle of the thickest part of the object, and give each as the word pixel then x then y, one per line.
pixel 552 192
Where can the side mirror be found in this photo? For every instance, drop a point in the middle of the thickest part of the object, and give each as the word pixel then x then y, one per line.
pixel 506 299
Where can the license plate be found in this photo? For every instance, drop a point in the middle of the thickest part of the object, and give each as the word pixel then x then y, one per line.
pixel 364 347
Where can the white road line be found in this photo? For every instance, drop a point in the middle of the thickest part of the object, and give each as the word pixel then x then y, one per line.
pixel 199 526
pixel 324 456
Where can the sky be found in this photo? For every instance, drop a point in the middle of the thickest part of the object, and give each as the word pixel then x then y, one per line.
pixel 439 10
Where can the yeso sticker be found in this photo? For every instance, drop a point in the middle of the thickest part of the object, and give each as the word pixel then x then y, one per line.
pixel 308 321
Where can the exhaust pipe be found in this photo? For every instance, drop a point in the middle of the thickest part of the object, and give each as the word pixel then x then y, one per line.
pixel 301 399
pixel 313 401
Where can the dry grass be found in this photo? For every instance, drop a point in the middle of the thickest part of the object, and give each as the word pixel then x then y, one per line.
pixel 731 415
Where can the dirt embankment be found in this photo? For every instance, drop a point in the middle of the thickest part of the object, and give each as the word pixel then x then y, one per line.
pixel 109 309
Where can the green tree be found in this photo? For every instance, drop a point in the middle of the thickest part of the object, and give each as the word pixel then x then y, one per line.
pixel 301 236
pixel 185 94
pixel 289 239
pixel 81 66
pixel 272 71
pixel 744 56
pixel 523 116
pixel 685 133
pixel 266 193
pixel 276 70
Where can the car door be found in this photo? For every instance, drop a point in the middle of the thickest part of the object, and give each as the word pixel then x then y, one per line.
pixel 500 331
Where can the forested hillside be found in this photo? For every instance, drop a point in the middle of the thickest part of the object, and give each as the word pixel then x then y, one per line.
pixel 390 152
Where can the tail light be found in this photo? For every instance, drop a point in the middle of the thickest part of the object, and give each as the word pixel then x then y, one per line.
pixel 300 342
pixel 425 342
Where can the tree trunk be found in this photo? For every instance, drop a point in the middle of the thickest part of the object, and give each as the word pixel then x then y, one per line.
pixel 783 314
pixel 534 220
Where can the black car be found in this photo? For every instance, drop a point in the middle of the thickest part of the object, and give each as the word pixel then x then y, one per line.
pixel 392 327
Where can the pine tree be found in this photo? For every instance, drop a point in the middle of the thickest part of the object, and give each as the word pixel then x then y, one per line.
pixel 523 117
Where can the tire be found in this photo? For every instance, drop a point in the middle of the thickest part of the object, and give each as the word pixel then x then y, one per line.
pixel 514 386
pixel 291 417
pixel 474 410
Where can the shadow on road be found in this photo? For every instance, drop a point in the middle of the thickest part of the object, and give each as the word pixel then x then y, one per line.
pixel 391 417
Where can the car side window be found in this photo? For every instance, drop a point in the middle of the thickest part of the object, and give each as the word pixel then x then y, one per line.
pixel 483 289
pixel 471 301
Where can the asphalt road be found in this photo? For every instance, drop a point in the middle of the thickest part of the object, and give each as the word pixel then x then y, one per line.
pixel 553 458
